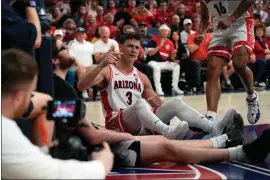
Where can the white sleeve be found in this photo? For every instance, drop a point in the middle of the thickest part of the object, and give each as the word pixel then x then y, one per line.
pixel 22 160
pixel 97 48
pixel 71 50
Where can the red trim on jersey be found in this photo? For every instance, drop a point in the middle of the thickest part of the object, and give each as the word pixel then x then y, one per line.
pixel 110 81
pixel 222 48
pixel 128 73
pixel 220 54
pixel 106 104
pixel 140 76
pixel 116 123
pixel 216 51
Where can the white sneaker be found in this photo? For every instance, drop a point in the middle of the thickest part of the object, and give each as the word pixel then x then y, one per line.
pixel 159 92
pixel 254 113
pixel 85 95
pixel 179 131
pixel 177 91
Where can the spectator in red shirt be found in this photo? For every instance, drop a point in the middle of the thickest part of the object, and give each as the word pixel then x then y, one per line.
pixel 261 50
pixel 162 16
pixel 151 7
pixel 114 30
pixel 90 27
pixel 131 7
pixel 100 18
pixel 197 46
pixel 161 55
pixel 111 8
pixel 143 15
pixel 171 9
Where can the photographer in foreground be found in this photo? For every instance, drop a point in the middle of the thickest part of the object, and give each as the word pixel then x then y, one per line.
pixel 20 158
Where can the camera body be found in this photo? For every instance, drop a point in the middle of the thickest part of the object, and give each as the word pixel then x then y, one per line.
pixel 67 113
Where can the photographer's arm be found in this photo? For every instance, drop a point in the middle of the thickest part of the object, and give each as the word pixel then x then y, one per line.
pixel 32 17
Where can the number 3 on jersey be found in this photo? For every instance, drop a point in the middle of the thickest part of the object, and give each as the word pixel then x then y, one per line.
pixel 220 8
pixel 129 97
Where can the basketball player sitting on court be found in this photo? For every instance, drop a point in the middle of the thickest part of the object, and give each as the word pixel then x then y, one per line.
pixel 233 38
pixel 122 87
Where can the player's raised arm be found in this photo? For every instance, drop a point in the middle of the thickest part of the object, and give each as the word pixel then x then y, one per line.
pixel 205 18
pixel 95 76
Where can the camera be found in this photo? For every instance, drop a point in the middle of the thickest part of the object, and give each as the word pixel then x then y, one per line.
pixel 66 111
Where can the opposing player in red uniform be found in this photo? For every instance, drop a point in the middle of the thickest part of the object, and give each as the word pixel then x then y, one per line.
pixel 233 38
pixel 123 88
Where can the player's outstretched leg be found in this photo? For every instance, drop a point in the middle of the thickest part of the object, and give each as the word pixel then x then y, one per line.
pixel 240 59
pixel 176 107
pixel 141 112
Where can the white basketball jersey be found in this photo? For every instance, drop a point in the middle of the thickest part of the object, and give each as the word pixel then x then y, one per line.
pixel 123 90
pixel 221 9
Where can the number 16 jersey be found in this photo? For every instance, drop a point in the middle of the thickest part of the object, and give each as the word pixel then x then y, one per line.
pixel 222 9
pixel 123 90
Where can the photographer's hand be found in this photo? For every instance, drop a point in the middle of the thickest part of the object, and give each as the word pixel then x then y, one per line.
pixel 105 156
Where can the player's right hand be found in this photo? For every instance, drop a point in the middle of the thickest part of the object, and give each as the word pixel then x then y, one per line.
pixel 110 58
pixel 105 156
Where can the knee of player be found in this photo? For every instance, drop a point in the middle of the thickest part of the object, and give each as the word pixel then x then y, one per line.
pixel 239 65
pixel 215 65
pixel 141 104
pixel 177 101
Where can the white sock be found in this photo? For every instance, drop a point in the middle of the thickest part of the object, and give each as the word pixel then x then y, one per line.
pixel 220 141
pixel 212 114
pixel 252 96
pixel 236 153
pixel 161 128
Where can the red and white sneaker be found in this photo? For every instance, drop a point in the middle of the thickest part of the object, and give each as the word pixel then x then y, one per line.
pixel 254 113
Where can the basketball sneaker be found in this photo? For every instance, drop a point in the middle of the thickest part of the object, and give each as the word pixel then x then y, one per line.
pixel 179 131
pixel 254 113
pixel 221 125
pixel 235 133
pixel 259 148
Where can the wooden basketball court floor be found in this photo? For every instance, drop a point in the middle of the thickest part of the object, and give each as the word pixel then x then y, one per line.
pixel 232 170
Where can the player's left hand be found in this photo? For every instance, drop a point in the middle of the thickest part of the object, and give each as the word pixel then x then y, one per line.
pixel 155 101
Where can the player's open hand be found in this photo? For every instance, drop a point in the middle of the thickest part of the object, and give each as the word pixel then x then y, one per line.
pixel 110 58
pixel 155 101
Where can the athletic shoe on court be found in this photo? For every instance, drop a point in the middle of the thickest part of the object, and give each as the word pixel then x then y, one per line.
pixel 259 148
pixel 177 91
pixel 179 131
pixel 236 132
pixel 254 113
pixel 221 125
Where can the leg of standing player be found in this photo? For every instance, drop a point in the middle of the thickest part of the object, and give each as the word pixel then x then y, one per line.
pixel 219 54
pixel 243 42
